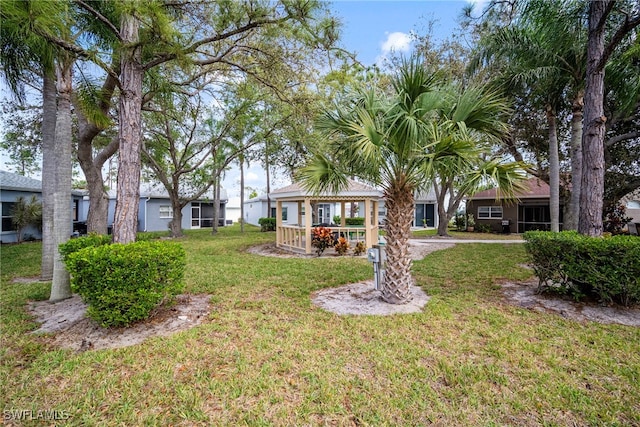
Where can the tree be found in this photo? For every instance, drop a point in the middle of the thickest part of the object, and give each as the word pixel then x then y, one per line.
pixel 22 136
pixel 540 58
pixel 599 50
pixel 386 140
pixel 26 212
pixel 462 160
pixel 27 52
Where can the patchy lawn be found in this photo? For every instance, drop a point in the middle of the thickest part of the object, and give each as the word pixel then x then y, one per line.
pixel 267 356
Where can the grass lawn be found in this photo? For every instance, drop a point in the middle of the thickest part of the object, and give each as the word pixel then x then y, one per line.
pixel 465 235
pixel 267 356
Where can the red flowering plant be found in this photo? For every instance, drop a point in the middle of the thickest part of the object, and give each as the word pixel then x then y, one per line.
pixel 341 246
pixel 321 239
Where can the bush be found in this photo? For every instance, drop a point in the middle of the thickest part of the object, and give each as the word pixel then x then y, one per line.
pixel 354 221
pixel 336 219
pixel 267 224
pixel 90 241
pixel 608 268
pixel 321 239
pixel 482 228
pixel 124 283
pixel 360 248
pixel 341 246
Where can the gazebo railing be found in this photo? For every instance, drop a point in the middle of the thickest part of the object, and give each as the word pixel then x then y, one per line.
pixel 294 236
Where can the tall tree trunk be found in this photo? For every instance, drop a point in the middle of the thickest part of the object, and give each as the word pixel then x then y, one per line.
pixel 130 134
pixel 573 206
pixel 216 204
pixel 266 164
pixel 175 225
pixel 399 201
pixel 554 170
pixel 241 193
pixel 592 186
pixel 92 165
pixel 49 113
pixel 60 286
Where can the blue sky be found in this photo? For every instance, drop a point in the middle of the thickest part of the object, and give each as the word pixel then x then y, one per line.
pixel 372 28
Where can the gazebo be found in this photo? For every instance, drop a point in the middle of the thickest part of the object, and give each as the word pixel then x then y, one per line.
pixel 294 201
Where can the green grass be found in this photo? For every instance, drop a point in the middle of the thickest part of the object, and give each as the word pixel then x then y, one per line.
pixel 422 233
pixel 267 356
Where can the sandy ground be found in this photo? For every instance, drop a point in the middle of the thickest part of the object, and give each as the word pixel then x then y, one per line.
pixel 68 326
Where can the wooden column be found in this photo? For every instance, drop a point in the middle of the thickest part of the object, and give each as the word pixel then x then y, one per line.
pixel 343 212
pixel 307 224
pixel 279 231
pixel 367 224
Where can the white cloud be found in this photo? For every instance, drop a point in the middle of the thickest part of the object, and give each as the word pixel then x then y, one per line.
pixel 253 178
pixel 396 42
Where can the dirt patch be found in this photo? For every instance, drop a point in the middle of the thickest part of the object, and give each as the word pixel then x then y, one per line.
pixel 363 298
pixel 416 250
pixel 524 295
pixel 72 329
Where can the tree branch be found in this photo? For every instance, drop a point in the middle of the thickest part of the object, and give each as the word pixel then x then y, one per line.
pixel 100 18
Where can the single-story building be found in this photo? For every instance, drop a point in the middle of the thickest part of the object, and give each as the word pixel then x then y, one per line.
pixel 13 186
pixel 530 212
pixel 632 204
pixel 154 212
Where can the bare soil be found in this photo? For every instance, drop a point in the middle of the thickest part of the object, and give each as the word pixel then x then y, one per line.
pixel 71 328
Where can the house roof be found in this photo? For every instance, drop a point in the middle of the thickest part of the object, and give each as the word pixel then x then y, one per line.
pixel 354 189
pixel 536 189
pixel 13 181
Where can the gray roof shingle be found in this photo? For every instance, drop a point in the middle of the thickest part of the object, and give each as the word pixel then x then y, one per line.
pixel 13 181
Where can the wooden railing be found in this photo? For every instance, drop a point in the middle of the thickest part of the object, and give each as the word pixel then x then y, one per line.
pixel 294 237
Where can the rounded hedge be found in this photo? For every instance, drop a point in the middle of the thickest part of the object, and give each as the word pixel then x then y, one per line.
pixel 123 283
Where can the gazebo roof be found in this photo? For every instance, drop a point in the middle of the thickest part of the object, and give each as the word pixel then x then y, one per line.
pixel 355 190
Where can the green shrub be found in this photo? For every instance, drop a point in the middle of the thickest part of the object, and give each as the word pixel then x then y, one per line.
pixel 354 221
pixel 89 241
pixel 267 224
pixel 123 283
pixel 608 268
pixel 360 248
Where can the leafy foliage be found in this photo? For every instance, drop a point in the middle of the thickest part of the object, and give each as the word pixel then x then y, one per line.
pixel 267 224
pixel 354 221
pixel 341 246
pixel 567 262
pixel 322 238
pixel 615 219
pixel 90 241
pixel 26 212
pixel 360 248
pixel 124 283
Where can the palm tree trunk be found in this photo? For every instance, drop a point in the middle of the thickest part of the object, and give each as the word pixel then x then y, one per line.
pixel 554 170
pixel 592 186
pixel 48 174
pixel 399 200
pixel 60 286
pixel 573 208
pixel 130 114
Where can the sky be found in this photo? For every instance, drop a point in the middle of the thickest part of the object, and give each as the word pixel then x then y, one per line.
pixel 371 29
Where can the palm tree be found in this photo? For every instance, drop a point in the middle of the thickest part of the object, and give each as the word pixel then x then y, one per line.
pixel 386 140
pixel 24 55
pixel 545 53
pixel 462 159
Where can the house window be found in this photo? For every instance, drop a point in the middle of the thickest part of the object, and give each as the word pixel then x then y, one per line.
pixel 7 216
pixel 273 213
pixel 284 214
pixel 165 211
pixel 490 212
